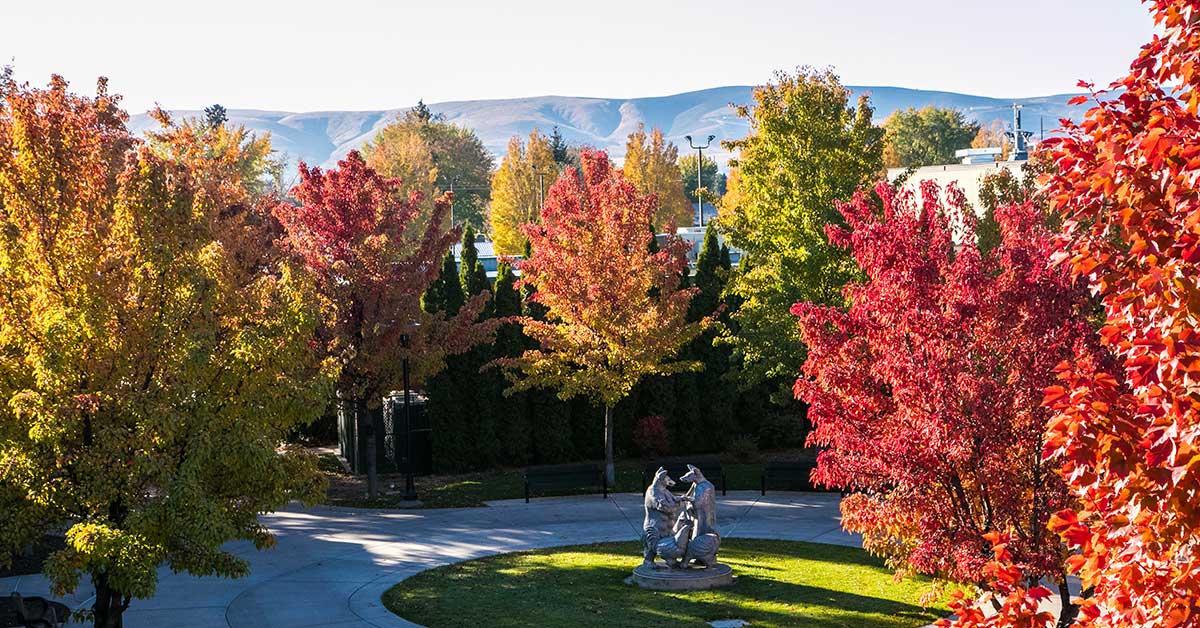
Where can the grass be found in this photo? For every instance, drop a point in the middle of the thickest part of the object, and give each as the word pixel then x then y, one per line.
pixel 473 489
pixel 779 584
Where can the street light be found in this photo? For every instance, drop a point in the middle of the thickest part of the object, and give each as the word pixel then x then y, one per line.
pixel 453 181
pixel 700 169
pixel 410 487
pixel 541 187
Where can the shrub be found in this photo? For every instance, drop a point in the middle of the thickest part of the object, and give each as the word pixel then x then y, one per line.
pixel 779 430
pixel 743 448
pixel 651 436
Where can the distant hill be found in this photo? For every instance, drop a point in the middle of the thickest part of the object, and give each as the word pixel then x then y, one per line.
pixel 322 137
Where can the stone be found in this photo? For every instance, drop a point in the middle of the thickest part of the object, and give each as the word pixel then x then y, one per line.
pixel 663 578
pixel 729 623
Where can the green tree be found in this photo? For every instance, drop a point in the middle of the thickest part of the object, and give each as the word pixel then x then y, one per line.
pixel 807 148
pixel 926 137
pixel 422 113
pixel 449 409
pixel 513 421
pixel 147 374
pixel 471 273
pixel 431 156
pixel 215 116
pixel 561 150
pixel 711 178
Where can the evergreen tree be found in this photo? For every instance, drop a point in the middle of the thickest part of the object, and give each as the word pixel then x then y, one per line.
pixel 532 308
pixel 215 115
pixel 453 443
pixel 552 441
pixel 513 420
pixel 452 296
pixel 560 150
pixel 478 390
pixel 471 273
pixel 709 278
pixel 422 113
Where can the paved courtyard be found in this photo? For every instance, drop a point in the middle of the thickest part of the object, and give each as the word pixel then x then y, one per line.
pixel 331 565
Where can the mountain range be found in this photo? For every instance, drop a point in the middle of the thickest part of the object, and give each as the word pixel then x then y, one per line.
pixel 323 137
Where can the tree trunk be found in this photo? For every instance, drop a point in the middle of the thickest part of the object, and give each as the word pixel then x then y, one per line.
pixel 367 429
pixel 609 470
pixel 109 609
pixel 1069 611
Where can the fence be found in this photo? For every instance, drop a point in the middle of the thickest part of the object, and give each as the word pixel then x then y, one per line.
pixel 358 426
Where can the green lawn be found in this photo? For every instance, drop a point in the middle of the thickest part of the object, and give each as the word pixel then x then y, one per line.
pixel 472 489
pixel 779 584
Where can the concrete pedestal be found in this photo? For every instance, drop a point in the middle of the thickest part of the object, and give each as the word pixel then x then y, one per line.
pixel 663 578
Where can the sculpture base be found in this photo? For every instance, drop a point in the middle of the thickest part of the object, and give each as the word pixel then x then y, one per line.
pixel 663 578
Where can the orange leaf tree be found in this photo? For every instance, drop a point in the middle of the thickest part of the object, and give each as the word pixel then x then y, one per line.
pixel 614 309
pixel 1126 183
pixel 148 371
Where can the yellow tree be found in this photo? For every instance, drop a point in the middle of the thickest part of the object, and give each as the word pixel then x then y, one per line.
pixel 148 369
pixel 431 156
pixel 400 152
pixel 992 136
pixel 652 166
pixel 614 310
pixel 518 189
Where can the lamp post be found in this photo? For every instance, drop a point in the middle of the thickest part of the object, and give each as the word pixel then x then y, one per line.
pixel 541 187
pixel 453 182
pixel 699 174
pixel 410 487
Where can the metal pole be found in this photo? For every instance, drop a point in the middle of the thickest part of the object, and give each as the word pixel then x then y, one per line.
pixel 372 474
pixel 700 182
pixel 699 171
pixel 410 488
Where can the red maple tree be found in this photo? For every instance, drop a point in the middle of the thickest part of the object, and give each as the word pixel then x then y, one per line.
pixel 353 229
pixel 614 309
pixel 925 392
pixel 1126 183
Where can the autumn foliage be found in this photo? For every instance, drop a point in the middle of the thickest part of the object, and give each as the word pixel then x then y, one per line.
pixel 926 389
pixel 152 356
pixel 614 310
pixel 352 230
pixel 1126 183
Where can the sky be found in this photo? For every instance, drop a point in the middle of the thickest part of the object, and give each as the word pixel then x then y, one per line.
pixel 302 55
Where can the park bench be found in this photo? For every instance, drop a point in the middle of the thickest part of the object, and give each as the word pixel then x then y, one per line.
pixel 565 476
pixel 32 612
pixel 788 474
pixel 710 467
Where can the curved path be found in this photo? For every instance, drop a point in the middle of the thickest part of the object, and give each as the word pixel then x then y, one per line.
pixel 331 565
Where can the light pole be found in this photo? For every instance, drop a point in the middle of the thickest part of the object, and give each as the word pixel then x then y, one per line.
pixel 541 187
pixel 453 181
pixel 699 173
pixel 410 487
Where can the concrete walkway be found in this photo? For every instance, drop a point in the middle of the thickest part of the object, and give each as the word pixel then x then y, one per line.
pixel 331 565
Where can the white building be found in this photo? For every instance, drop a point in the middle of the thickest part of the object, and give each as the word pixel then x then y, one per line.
pixel 966 175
